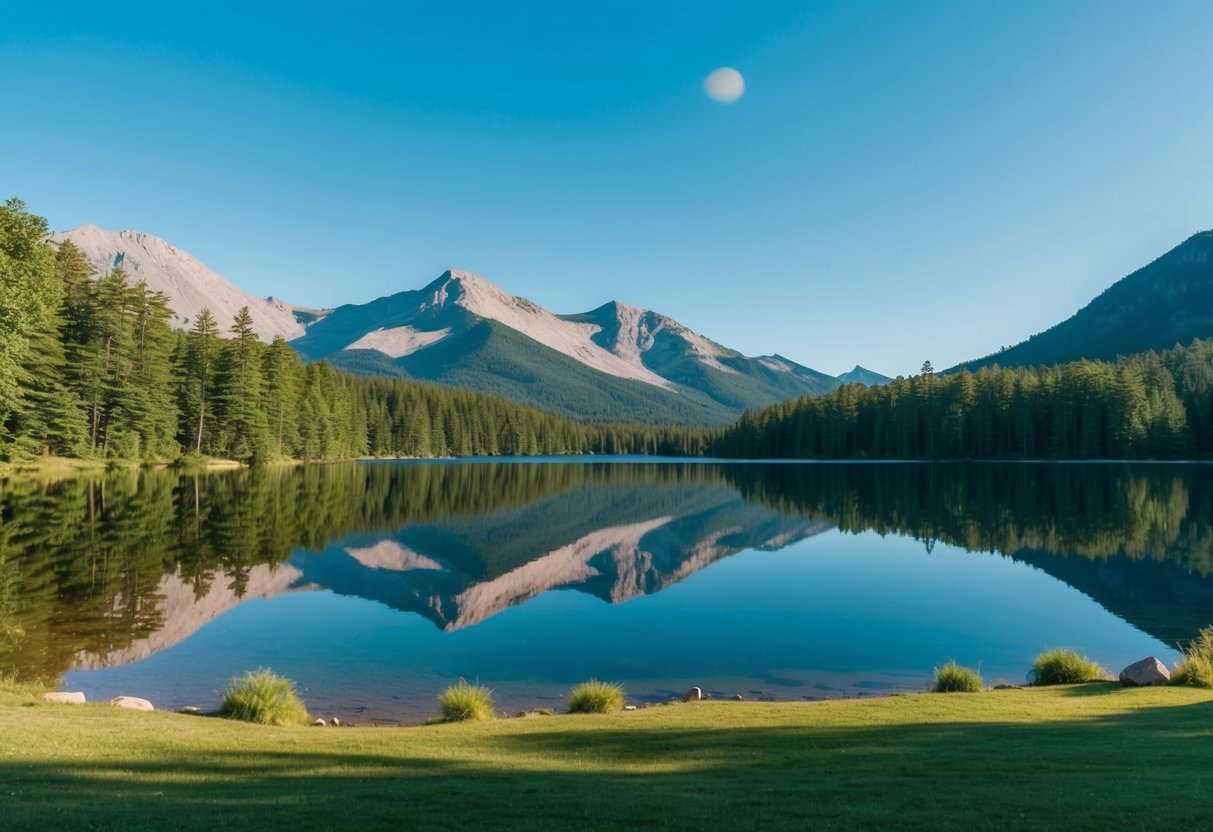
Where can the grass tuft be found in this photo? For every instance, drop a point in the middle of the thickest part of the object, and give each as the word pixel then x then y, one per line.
pixel 1062 666
pixel 1195 669
pixel 17 691
pixel 594 697
pixel 463 702
pixel 952 678
pixel 264 697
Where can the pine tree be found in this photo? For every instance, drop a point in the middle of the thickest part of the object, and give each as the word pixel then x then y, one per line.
pixel 151 410
pixel 101 362
pixel 30 296
pixel 244 425
pixel 282 384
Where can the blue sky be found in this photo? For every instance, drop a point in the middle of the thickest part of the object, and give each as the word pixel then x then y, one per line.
pixel 900 181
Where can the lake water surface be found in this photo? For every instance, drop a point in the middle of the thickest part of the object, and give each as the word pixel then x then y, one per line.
pixel 375 585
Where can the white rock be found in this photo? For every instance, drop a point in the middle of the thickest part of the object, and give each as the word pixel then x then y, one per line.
pixel 320 723
pixel 132 702
pixel 629 707
pixel 692 695
pixel 1148 671
pixel 190 709
pixel 64 698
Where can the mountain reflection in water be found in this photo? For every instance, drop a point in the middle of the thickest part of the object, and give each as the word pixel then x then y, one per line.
pixel 102 572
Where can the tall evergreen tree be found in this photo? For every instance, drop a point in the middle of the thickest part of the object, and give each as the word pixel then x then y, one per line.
pixel 244 425
pixel 282 382
pixel 50 417
pixel 195 374
pixel 105 365
pixel 30 295
pixel 151 410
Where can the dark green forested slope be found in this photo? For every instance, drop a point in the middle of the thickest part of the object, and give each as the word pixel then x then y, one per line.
pixel 1168 302
pixel 1145 406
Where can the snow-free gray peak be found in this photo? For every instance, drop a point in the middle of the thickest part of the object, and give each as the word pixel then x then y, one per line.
pixel 189 284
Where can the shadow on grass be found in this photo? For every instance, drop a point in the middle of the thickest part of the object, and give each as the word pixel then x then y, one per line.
pixel 1138 768
pixel 1088 689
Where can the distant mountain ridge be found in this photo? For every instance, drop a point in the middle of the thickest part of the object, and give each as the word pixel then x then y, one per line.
pixel 613 363
pixel 1166 302
pixel 862 375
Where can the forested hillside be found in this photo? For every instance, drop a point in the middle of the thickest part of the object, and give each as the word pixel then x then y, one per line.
pixel 90 367
pixel 1167 302
pixel 1146 406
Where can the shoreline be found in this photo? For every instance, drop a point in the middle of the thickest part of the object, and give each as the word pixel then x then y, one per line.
pixel 390 711
pixel 57 468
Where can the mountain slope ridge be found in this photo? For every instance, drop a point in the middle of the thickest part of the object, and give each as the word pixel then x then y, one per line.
pixel 1167 301
pixel 659 366
pixel 189 284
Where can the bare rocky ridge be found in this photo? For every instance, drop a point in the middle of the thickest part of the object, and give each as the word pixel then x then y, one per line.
pixel 189 284
pixel 564 335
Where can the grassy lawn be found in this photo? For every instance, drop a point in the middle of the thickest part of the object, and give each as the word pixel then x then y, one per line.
pixel 1087 756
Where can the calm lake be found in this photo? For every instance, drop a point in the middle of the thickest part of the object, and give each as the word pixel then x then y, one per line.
pixel 375 585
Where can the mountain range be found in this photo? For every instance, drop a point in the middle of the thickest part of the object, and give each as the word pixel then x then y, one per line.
pixel 614 363
pixel 619 362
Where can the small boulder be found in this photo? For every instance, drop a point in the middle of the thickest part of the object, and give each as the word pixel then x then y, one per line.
pixel 737 697
pixel 64 698
pixel 629 707
pixel 190 709
pixel 1148 671
pixel 336 722
pixel 132 702
pixel 692 695
pixel 320 723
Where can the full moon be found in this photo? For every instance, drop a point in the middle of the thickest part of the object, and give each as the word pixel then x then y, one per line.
pixel 724 85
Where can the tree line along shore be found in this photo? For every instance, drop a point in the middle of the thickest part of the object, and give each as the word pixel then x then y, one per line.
pixel 91 369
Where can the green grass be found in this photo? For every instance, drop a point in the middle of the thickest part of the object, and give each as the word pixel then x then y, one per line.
pixel 952 678
pixel 594 697
pixel 1035 758
pixel 1196 667
pixel 263 697
pixel 1062 666
pixel 464 702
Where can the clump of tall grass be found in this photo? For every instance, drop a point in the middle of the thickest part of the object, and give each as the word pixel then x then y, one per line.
pixel 463 702
pixel 264 697
pixel 952 678
pixel 1062 666
pixel 594 697
pixel 1195 669
pixel 26 691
